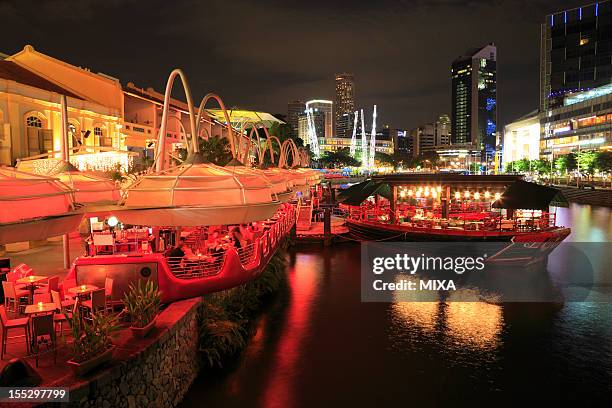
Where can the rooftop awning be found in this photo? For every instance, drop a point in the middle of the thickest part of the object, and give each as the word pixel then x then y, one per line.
pixel 530 196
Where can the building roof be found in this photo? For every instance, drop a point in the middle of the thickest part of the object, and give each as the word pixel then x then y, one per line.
pixel 154 96
pixel 240 115
pixel 13 72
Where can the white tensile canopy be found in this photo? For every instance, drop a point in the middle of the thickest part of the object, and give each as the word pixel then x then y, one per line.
pixel 88 188
pixel 198 194
pixel 278 182
pixel 34 207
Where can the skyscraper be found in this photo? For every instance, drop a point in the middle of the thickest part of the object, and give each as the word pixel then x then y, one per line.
pixel 323 110
pixel 576 81
pixel 575 55
pixel 345 104
pixel 294 110
pixel 474 100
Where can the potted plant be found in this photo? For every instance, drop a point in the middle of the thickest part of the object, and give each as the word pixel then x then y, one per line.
pixel 92 345
pixel 142 301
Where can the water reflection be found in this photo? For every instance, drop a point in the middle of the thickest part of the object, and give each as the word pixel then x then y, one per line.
pixel 321 346
pixel 303 286
pixel 588 223
pixel 474 325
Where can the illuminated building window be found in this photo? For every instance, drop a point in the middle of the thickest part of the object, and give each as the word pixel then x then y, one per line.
pixel 33 121
pixel 584 41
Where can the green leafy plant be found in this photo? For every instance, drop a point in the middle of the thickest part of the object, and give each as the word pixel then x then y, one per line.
pixel 227 316
pixel 91 336
pixel 142 302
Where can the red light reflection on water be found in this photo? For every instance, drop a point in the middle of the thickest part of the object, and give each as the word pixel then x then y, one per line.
pixel 303 282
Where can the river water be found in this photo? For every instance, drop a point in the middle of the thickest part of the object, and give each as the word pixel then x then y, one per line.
pixel 320 346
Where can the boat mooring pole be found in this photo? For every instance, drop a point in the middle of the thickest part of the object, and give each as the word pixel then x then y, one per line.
pixel 64 149
pixel 327 231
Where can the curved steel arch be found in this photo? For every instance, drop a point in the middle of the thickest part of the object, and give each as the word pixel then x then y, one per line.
pixel 225 114
pixel 161 145
pixel 289 146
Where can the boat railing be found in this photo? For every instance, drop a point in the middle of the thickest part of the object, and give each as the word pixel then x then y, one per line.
pixel 212 264
pixel 246 253
pixel 191 268
pixel 527 221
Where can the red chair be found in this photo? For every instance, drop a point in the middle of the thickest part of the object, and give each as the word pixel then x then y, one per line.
pixel 13 295
pixel 9 324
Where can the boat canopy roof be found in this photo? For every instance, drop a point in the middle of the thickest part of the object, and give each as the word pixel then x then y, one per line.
pixel 530 196
pixel 446 179
pixel 26 196
pixel 358 193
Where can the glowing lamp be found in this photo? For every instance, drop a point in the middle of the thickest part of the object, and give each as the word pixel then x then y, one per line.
pixel 418 193
pixel 40 305
pixel 83 287
pixel 31 279
pixel 410 193
pixel 487 195
pixel 439 189
pixel 457 195
pixel 466 194
pixel 434 193
pixel 497 196
pixel 402 193
pixel 426 192
pixel 112 221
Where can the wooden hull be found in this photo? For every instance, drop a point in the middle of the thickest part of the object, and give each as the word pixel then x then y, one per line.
pixel 373 231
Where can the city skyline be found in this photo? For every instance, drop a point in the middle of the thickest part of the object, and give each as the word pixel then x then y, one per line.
pixel 381 55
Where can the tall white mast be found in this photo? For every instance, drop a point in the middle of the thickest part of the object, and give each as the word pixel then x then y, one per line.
pixel 354 137
pixel 364 143
pixel 373 140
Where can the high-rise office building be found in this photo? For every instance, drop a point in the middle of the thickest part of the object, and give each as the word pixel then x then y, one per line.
pixel 442 130
pixel 324 112
pixel 576 52
pixel 576 81
pixel 474 100
pixel 345 104
pixel 294 110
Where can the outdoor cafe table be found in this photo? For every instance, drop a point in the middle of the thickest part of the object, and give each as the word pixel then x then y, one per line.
pixel 40 308
pixel 82 291
pixel 32 282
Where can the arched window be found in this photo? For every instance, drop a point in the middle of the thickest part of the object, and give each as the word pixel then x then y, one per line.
pixel 34 121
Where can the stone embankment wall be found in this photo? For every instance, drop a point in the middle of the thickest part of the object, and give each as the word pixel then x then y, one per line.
pixel 152 372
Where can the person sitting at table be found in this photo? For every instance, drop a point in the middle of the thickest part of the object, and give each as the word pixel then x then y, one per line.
pixel 235 237
pixel 176 254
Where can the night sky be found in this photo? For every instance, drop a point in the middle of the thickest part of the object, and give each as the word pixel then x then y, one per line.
pixel 262 54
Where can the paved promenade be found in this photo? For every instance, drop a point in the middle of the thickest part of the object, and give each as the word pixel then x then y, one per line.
pixel 46 260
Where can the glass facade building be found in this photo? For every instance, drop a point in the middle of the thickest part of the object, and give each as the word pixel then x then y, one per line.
pixel 474 100
pixel 576 80
pixel 345 104
pixel 576 52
